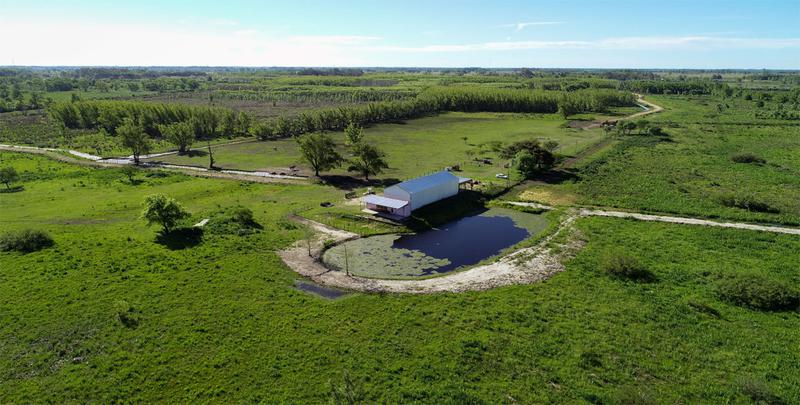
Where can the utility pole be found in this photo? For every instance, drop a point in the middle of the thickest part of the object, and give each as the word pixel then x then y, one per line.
pixel 346 262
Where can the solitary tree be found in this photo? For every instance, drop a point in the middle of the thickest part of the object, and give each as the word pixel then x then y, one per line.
pixel 162 210
pixel 134 137
pixel 8 175
pixel 368 160
pixel 319 150
pixel 179 133
pixel 531 163
pixel 353 134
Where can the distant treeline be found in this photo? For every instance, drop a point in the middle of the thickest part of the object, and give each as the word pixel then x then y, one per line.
pixel 441 99
pixel 109 115
pixel 670 86
pixel 317 95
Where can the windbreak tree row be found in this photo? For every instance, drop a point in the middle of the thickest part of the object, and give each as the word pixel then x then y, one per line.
pixel 206 122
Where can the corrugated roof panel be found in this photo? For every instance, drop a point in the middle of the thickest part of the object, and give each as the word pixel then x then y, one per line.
pixel 426 182
pixel 385 201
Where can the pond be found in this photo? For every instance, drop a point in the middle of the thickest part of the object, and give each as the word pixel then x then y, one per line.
pixel 464 242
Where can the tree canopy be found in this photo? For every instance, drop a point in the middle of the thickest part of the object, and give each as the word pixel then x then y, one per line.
pixel 368 160
pixel 319 150
pixel 163 210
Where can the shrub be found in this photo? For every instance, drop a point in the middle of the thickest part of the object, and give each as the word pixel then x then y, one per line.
pixel 233 220
pixel 758 292
pixel 747 202
pixel 627 267
pixel 26 241
pixel 758 391
pixel 748 158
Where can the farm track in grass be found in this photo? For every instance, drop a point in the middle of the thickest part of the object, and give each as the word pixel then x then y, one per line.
pixel 606 141
pixel 64 156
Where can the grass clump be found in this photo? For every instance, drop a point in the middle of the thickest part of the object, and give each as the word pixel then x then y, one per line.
pixel 758 292
pixel 25 241
pixel 627 267
pixel 748 158
pixel 747 202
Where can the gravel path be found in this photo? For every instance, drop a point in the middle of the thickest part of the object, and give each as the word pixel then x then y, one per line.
pixel 689 221
pixel 97 161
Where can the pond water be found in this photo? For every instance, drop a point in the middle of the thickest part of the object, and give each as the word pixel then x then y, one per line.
pixel 463 242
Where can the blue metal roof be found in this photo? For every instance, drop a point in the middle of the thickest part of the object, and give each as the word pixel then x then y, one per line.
pixel 385 201
pixel 425 182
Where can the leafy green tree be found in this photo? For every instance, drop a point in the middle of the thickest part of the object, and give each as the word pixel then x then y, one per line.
pixel 162 210
pixel 8 175
pixel 531 163
pixel 319 150
pixel 353 134
pixel 368 160
pixel 134 137
pixel 179 133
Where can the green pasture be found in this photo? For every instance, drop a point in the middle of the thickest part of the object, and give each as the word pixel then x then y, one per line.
pixel 219 319
pixel 416 147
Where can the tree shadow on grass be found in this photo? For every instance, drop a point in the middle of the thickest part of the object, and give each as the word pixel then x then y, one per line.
pixel 15 189
pixel 557 176
pixel 195 153
pixel 351 183
pixel 181 238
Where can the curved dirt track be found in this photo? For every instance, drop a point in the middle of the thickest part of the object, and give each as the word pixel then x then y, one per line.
pixel 85 159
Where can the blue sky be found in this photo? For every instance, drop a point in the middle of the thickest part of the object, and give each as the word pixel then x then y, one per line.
pixel 567 33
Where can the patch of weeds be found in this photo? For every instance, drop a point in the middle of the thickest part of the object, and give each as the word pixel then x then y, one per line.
pixel 758 292
pixel 748 158
pixel 627 267
pixel 590 360
pixel 747 202
pixel 758 391
pixel 348 391
pixel 328 243
pixel 125 314
pixel 25 241
pixel 635 396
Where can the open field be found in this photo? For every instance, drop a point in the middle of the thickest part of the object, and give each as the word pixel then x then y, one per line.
pixel 220 320
pixel 418 146
pixel 117 311
pixel 692 171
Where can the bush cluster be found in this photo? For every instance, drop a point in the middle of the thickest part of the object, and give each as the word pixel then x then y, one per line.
pixel 627 267
pixel 747 202
pixel 26 241
pixel 758 292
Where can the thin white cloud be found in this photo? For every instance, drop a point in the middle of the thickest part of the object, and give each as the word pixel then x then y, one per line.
pixel 345 40
pixel 621 43
pixel 522 25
